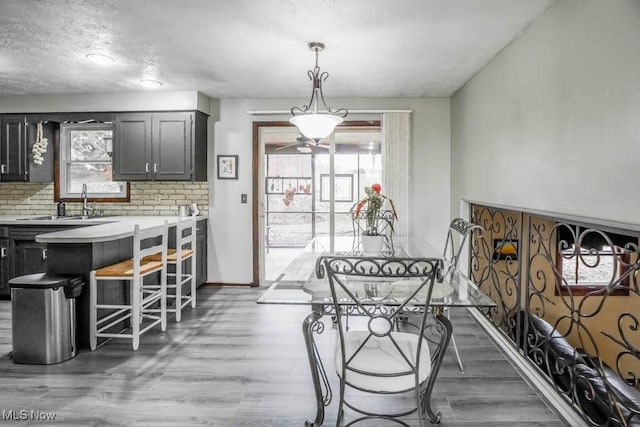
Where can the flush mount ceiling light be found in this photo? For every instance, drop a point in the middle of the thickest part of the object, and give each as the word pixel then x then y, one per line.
pixel 100 59
pixel 311 122
pixel 150 83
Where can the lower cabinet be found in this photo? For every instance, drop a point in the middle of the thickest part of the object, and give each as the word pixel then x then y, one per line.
pixel 4 262
pixel 201 252
pixel 20 254
pixel 30 257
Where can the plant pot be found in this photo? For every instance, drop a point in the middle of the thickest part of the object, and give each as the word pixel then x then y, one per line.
pixel 372 244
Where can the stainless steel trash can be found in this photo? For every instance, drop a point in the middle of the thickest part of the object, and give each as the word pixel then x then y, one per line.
pixel 43 317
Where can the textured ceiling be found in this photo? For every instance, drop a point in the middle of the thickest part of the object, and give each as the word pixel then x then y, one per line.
pixel 244 48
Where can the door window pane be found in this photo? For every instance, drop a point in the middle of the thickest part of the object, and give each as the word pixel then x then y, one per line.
pixel 288 229
pixel 297 187
pixel 298 181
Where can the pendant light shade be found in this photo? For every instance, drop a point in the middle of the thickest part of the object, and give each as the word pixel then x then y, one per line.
pixel 316 125
pixel 312 123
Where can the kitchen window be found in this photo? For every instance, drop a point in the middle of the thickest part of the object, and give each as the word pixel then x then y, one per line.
pixel 85 158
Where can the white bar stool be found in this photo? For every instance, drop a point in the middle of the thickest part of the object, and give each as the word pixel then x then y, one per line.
pixel 180 257
pixel 141 298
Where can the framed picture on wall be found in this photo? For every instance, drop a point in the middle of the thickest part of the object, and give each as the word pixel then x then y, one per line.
pixel 227 166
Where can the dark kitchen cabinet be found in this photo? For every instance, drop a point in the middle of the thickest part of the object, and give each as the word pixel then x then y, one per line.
pixel 25 255
pixel 42 172
pixel 171 144
pixel 30 257
pixel 201 252
pixel 13 154
pixel 4 262
pixel 132 147
pixel 17 137
pixel 166 146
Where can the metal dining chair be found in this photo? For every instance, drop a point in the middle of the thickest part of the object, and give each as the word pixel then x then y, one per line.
pixel 380 359
pixel 457 235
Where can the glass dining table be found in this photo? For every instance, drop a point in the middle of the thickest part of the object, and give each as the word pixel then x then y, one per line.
pixel 303 282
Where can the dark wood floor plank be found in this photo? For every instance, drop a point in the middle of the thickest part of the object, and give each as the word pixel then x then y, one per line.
pixel 232 362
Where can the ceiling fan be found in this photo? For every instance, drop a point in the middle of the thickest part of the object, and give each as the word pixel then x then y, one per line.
pixel 304 145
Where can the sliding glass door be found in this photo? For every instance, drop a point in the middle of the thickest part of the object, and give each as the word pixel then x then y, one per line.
pixel 309 189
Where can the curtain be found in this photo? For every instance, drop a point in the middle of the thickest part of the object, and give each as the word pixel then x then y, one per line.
pixel 396 147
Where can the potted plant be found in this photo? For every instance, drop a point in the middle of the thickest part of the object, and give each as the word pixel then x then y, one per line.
pixel 371 237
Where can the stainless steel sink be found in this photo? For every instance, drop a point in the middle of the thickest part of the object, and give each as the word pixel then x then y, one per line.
pixel 57 218
pixel 42 218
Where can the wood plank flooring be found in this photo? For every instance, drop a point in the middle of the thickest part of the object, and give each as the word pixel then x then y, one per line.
pixel 232 362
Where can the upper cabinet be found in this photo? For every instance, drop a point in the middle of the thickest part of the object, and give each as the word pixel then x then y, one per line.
pixel 165 146
pixel 17 137
pixel 13 156
pixel 132 147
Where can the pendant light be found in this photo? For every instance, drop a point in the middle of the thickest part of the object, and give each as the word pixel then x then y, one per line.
pixel 312 123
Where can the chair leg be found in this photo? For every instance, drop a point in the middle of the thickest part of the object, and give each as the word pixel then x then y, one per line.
pixel 178 290
pixel 419 394
pixel 93 311
pixel 135 312
pixel 193 281
pixel 340 420
pixel 455 347
pixel 163 298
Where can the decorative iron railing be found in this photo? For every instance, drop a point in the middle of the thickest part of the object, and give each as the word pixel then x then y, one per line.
pixel 568 298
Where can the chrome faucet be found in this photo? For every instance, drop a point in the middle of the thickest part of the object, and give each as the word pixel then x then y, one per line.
pixel 85 207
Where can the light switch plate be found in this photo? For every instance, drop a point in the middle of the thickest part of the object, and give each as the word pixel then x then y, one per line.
pixel 243 198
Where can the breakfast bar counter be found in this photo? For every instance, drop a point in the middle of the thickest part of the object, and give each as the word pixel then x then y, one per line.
pixel 75 247
pixel 107 229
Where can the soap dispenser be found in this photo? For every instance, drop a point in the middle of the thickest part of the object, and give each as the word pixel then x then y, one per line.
pixel 62 209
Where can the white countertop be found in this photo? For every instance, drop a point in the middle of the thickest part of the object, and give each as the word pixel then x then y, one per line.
pixel 100 229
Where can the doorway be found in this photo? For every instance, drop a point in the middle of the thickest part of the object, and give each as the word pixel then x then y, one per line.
pixel 294 206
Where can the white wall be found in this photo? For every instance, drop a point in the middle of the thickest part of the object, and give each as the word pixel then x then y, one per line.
pixel 553 122
pixel 230 255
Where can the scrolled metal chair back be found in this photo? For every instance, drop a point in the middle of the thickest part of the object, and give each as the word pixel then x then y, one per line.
pixel 457 235
pixel 372 287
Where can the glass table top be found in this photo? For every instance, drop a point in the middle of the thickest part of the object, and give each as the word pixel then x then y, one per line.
pixel 299 284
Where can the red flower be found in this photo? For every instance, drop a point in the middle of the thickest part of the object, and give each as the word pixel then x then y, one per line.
pixel 375 188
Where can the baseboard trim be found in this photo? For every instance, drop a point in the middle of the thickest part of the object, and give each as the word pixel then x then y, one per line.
pixel 224 285
pixel 529 373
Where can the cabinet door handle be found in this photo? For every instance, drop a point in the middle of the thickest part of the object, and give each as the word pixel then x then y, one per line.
pixel 155 168
pixel 3 168
pixel 44 254
pixel 147 167
pixel 3 252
